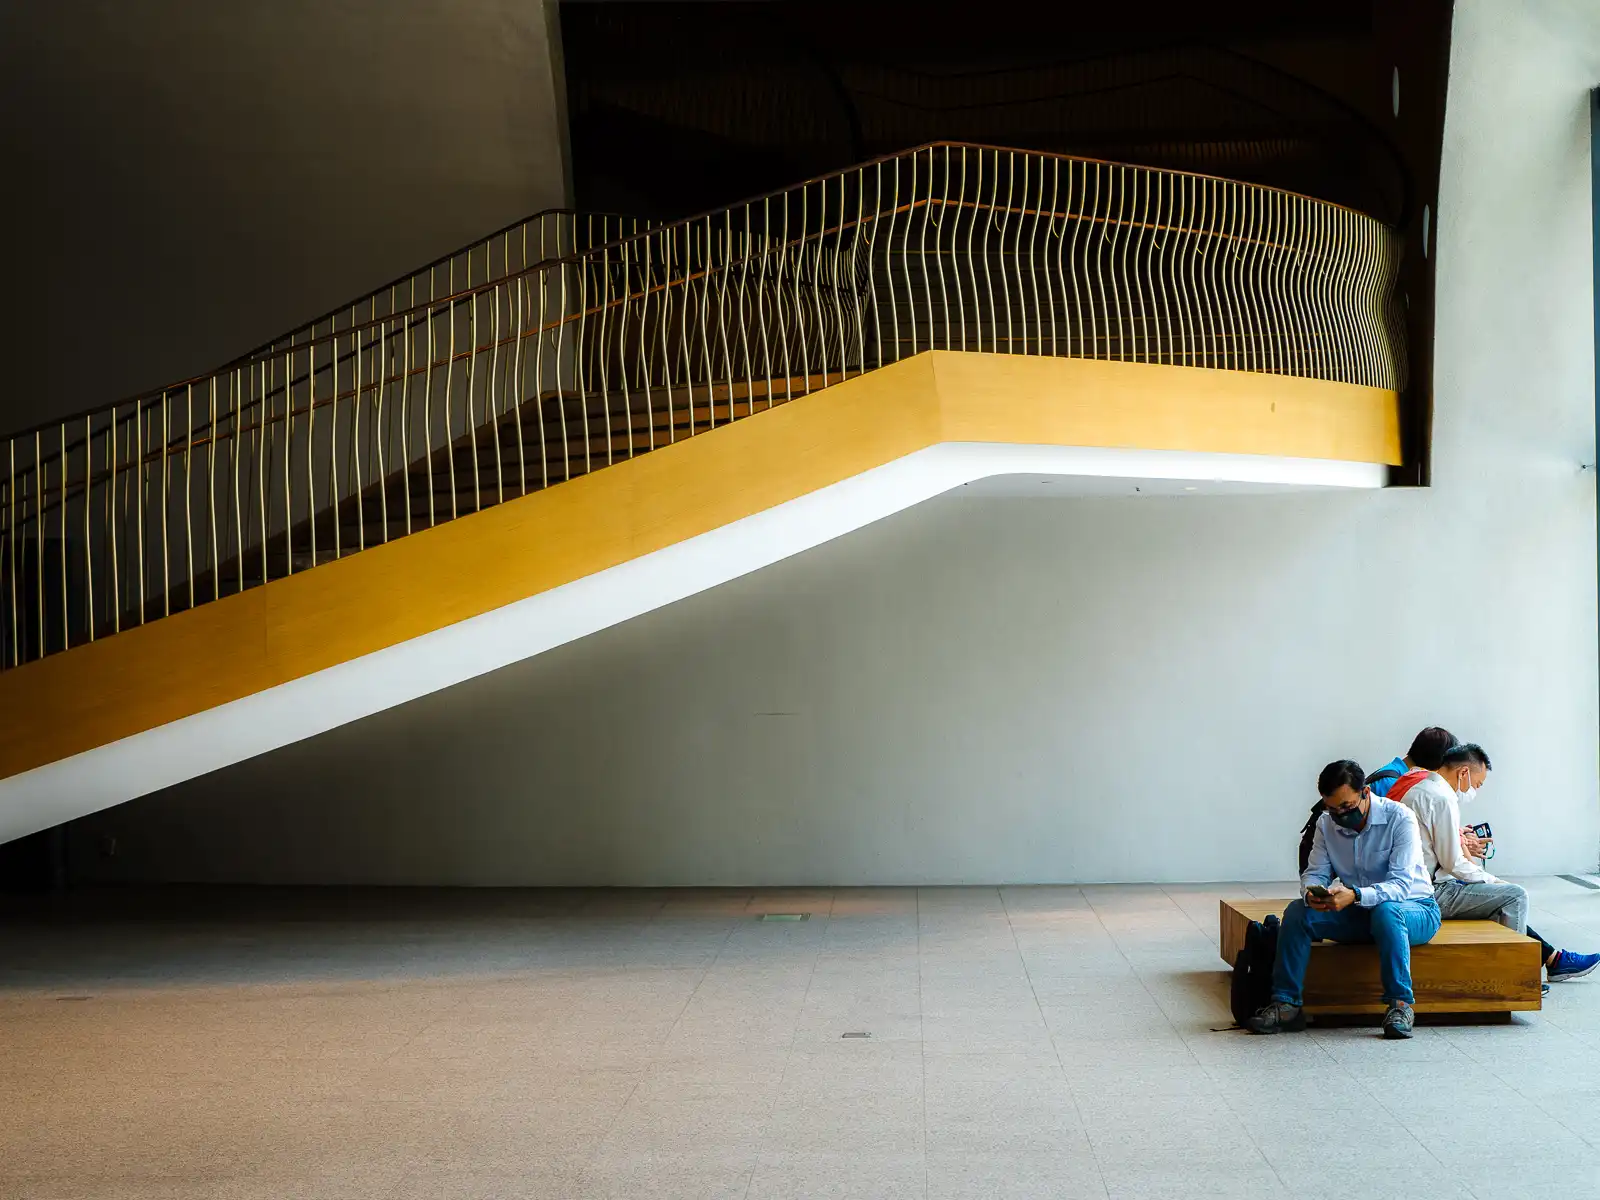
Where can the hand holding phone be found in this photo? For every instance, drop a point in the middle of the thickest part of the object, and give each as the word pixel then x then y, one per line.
pixel 1320 892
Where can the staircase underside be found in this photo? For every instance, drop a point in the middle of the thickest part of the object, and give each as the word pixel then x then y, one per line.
pixel 173 699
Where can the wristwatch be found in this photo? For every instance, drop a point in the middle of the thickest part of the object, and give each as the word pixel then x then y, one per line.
pixel 1356 892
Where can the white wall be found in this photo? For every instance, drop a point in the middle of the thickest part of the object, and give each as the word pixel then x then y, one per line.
pixel 187 178
pixel 1070 690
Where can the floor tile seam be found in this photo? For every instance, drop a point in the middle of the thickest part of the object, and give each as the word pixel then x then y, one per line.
pixel 1534 1100
pixel 386 1059
pixel 1398 1119
pixel 922 1048
pixel 788 1058
pixel 588 1159
pixel 1207 933
pixel 1137 974
pixel 1055 1049
pixel 1249 1133
pixel 1189 1049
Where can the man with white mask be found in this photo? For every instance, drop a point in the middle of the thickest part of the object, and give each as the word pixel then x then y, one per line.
pixel 1462 887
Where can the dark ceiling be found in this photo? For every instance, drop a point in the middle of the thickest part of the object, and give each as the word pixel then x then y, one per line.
pixel 680 107
pixel 677 108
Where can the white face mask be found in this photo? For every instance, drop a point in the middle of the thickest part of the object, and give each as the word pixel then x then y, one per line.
pixel 1465 795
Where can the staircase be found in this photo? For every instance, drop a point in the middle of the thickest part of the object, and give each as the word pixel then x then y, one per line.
pixel 1048 301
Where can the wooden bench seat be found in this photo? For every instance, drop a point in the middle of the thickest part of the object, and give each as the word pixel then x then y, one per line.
pixel 1468 967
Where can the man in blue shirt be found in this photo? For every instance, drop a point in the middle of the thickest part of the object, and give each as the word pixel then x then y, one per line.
pixel 1426 753
pixel 1365 882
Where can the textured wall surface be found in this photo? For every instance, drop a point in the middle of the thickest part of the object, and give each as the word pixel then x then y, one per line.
pixel 1050 690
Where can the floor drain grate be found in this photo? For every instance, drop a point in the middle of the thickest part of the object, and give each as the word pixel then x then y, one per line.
pixel 784 917
pixel 855 1035
pixel 1582 882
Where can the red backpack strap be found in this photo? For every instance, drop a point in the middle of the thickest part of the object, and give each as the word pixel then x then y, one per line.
pixel 1405 783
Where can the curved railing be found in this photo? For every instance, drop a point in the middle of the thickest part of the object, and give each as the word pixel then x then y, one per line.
pixel 374 425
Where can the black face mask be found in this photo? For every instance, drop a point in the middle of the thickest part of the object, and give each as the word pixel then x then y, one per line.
pixel 1350 818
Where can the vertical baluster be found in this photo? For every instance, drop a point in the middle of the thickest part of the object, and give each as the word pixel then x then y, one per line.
pixel 334 497
pixel 543 278
pixel 88 526
pixel 13 538
pixel 1116 231
pixel 621 340
pixel 493 409
pixel 746 255
pixel 888 260
pixel 427 464
pixel 988 211
pixel 113 518
pixel 66 616
pixel 1077 203
pixel 910 201
pixel 966 270
pixel 602 359
pixel 1204 243
pixel 1159 259
pixel 939 228
pixel 188 489
pixel 40 491
pixel 1029 160
pixel 926 201
pixel 1049 236
pixel 236 465
pixel 384 376
pixel 357 491
pixel 781 301
pixel 311 438
pixel 405 408
pixel 450 378
pixel 516 315
pixel 166 508
pixel 519 404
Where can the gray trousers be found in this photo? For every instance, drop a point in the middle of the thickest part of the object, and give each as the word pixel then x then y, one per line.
pixel 1503 902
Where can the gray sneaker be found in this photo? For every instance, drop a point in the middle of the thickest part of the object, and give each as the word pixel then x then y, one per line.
pixel 1399 1020
pixel 1277 1017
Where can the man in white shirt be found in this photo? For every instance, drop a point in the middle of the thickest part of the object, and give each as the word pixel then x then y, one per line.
pixel 1462 887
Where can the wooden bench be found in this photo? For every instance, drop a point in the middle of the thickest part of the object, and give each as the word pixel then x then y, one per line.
pixel 1468 967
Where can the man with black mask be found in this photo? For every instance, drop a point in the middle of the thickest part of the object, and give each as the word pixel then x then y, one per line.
pixel 1365 882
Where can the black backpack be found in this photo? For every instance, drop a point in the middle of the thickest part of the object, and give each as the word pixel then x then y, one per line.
pixel 1252 970
pixel 1308 834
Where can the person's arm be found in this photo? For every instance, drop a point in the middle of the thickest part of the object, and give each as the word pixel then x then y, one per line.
pixel 1319 870
pixel 1405 863
pixel 1444 831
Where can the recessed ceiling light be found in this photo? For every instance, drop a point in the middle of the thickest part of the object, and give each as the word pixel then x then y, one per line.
pixel 1190 489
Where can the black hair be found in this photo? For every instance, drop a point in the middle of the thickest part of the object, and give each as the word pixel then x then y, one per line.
pixel 1337 774
pixel 1428 747
pixel 1466 752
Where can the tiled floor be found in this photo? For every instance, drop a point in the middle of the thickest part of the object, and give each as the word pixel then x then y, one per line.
pixel 1025 1042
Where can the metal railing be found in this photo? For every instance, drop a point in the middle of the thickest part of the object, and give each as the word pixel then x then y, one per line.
pixel 370 425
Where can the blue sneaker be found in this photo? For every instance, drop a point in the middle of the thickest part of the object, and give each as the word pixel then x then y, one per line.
pixel 1572 966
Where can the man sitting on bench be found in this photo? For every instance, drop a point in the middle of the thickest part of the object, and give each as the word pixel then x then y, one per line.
pixel 1462 887
pixel 1365 882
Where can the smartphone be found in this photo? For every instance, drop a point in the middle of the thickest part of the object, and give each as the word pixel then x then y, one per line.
pixel 1320 892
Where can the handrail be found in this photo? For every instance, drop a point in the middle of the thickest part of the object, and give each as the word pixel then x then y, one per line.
pixel 374 426
pixel 550 221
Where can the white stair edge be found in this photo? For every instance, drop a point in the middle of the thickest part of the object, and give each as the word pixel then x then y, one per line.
pixel 195 745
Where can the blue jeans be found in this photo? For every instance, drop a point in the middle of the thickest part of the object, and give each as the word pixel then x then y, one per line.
pixel 1394 927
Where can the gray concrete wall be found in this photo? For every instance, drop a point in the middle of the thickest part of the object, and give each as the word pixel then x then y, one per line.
pixel 1073 690
pixel 187 179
